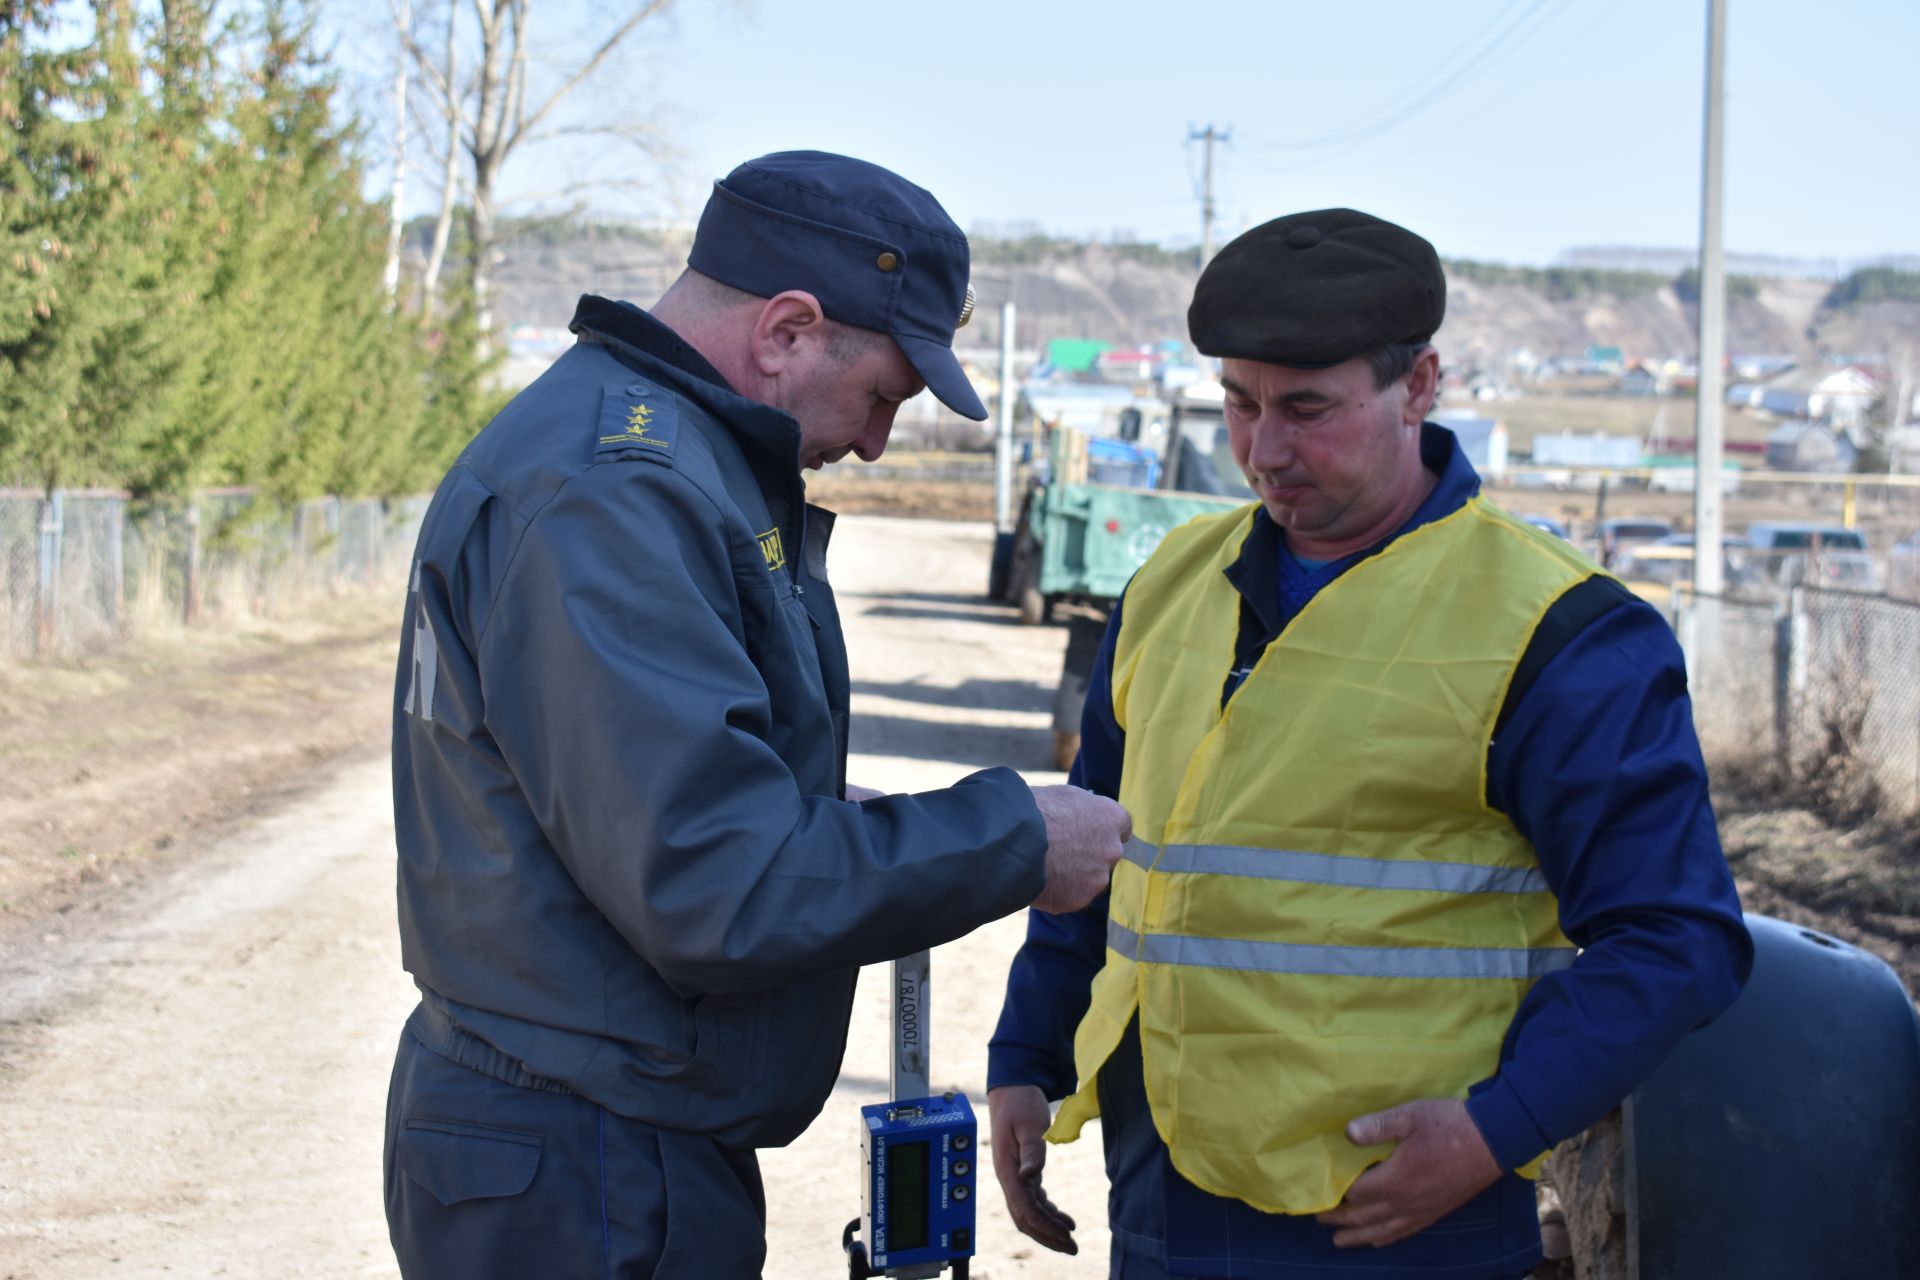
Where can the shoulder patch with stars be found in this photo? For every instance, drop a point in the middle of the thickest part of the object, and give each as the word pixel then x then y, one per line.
pixel 637 421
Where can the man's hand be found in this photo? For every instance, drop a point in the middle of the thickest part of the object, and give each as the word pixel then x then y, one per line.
pixel 858 794
pixel 1085 834
pixel 1440 1163
pixel 1020 1117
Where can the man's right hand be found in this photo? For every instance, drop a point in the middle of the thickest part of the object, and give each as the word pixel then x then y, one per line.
pixel 1085 835
pixel 1020 1118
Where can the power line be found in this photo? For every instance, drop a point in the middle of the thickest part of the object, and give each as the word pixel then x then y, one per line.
pixel 1409 103
pixel 1504 92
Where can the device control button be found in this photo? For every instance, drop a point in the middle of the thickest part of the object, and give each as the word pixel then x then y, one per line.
pixel 961 1142
pixel 961 1168
pixel 962 1191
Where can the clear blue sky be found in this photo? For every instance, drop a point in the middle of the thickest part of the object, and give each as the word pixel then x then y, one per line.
pixel 1506 130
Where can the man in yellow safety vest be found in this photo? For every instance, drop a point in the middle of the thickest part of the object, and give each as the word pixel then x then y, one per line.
pixel 1423 879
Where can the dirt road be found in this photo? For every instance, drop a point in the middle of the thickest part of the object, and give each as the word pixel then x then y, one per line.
pixel 193 1070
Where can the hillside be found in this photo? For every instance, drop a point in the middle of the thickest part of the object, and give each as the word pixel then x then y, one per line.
pixel 1135 293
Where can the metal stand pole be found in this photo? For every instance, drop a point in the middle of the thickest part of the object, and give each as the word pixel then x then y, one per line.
pixel 911 978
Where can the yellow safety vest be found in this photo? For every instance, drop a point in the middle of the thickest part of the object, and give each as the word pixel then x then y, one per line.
pixel 1319 915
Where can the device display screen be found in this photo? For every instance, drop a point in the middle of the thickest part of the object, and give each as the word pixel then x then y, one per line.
pixel 907 1195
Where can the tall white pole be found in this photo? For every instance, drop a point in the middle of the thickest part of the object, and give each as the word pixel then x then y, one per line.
pixel 1710 416
pixel 1003 436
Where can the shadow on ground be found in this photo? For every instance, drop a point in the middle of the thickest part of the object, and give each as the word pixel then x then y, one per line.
pixel 982 695
pixel 977 746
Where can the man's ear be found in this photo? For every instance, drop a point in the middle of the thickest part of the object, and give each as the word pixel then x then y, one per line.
pixel 1423 385
pixel 790 333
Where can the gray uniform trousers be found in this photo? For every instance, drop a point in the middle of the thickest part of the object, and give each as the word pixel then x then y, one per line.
pixel 492 1173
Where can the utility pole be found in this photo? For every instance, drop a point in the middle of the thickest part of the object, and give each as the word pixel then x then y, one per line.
pixel 1710 410
pixel 1211 136
pixel 1003 435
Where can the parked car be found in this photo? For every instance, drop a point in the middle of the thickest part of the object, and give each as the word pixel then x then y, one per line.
pixel 1548 523
pixel 1666 561
pixel 1796 552
pixel 1611 537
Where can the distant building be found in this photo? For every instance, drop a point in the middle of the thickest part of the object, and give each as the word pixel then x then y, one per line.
pixel 1642 381
pixel 1838 396
pixel 1903 451
pixel 1596 449
pixel 1606 361
pixel 1752 368
pixel 1075 355
pixel 1482 440
pixel 1139 364
pixel 1810 446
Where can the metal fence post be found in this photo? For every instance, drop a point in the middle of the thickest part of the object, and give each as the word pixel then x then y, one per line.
pixel 1799 662
pixel 47 623
pixel 117 562
pixel 191 607
pixel 378 521
pixel 1783 688
pixel 335 552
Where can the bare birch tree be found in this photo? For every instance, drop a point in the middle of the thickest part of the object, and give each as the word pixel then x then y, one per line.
pixel 493 111
pixel 397 191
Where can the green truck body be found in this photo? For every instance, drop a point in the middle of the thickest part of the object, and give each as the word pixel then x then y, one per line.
pixel 1094 536
pixel 1107 503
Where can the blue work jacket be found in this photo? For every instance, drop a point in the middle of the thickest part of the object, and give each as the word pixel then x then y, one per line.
pixel 1595 760
pixel 619 752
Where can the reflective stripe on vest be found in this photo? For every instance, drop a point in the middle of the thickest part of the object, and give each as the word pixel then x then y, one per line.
pixel 1320 868
pixel 1320 915
pixel 1349 962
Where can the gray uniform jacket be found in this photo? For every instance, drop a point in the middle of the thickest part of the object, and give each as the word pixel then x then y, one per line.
pixel 619 749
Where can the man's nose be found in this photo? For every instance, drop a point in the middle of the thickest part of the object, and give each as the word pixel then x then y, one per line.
pixel 872 442
pixel 1270 445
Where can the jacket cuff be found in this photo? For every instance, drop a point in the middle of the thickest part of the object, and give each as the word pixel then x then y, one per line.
pixel 1028 837
pixel 1018 1064
pixel 1506 1125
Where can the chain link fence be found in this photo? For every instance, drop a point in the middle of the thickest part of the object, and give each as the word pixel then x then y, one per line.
pixel 1822 684
pixel 1733 652
pixel 19 574
pixel 80 570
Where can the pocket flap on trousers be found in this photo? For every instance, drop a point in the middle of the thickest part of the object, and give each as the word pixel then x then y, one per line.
pixel 467 1162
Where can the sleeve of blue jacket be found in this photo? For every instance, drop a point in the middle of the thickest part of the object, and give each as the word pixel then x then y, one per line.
pixel 622 692
pixel 1600 769
pixel 1049 984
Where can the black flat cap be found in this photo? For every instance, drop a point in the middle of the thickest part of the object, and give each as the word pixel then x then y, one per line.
pixel 1312 290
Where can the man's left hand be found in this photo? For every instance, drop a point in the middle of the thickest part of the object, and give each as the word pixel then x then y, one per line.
pixel 1439 1163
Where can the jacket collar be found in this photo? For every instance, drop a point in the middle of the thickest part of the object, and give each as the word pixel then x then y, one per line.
pixel 1252 573
pixel 645 343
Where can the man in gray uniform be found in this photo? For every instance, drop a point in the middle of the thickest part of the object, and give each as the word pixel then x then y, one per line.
pixel 634 884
